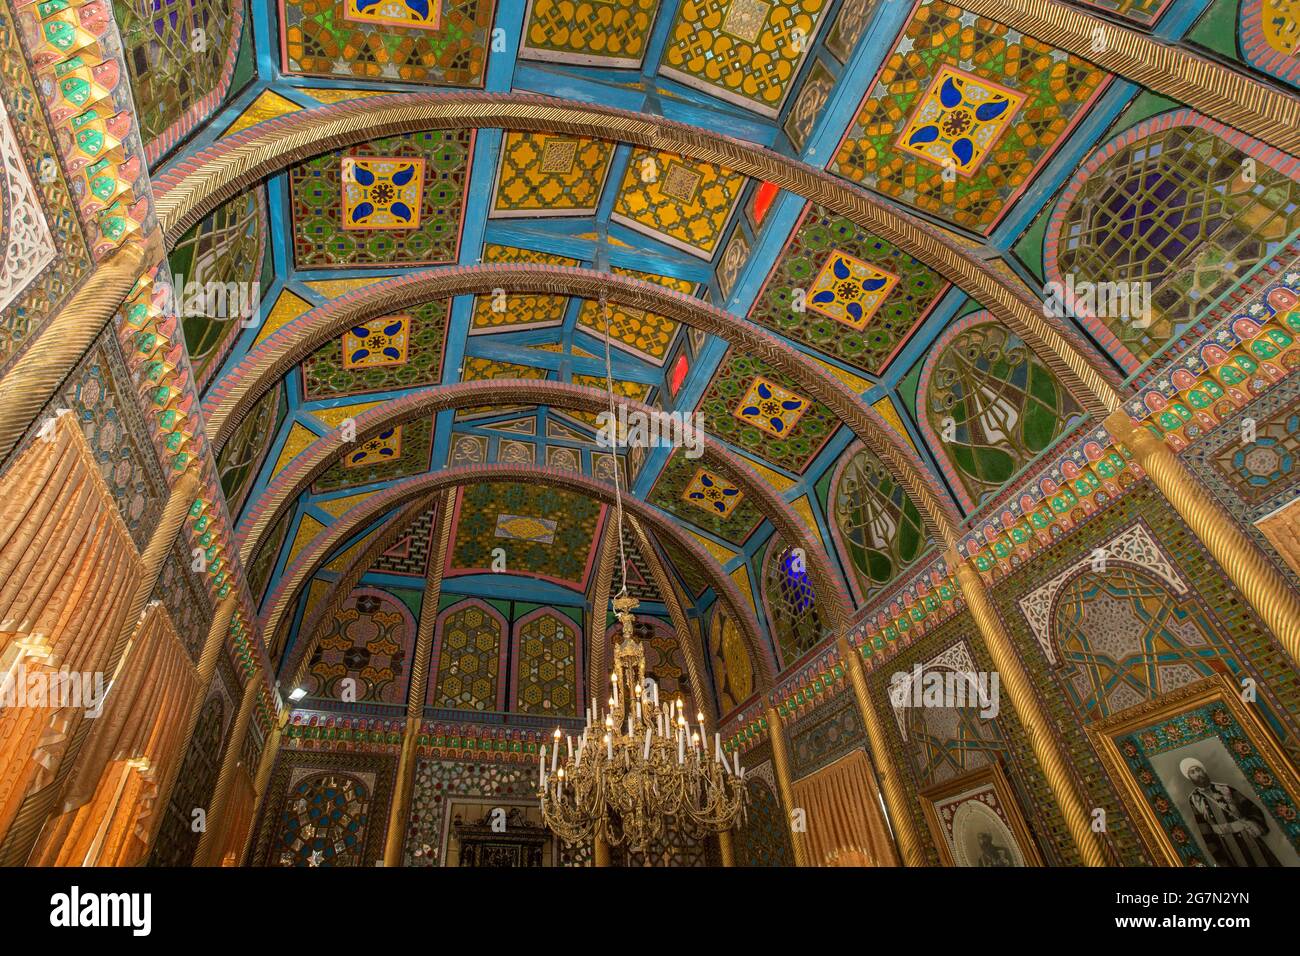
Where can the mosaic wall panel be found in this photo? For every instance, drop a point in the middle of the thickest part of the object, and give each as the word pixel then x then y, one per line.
pixel 604 33
pixel 730 393
pixel 325 809
pixel 991 405
pixel 546 665
pixel 177 839
pixel 706 497
pixel 431 231
pixel 415 448
pixel 1201 222
pixel 764 838
pixel 945 743
pixel 369 642
pixel 540 174
pixel 848 27
pixel 520 309
pixel 947 66
pixel 1208 623
pixel 790 603
pixel 439 781
pixel 552 533
pixel 44 251
pixel 678 200
pixel 825 734
pixel 875 525
pixel 319 39
pixel 808 105
pixel 808 264
pixel 687 569
pixel 102 396
pixel 187 600
pixel 242 456
pixel 745 51
pixel 179 57
pixel 263 563
pixel 469 664
pixel 356 363
pixel 1253 479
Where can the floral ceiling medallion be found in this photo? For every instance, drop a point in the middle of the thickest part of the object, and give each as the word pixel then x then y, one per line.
pixel 959 120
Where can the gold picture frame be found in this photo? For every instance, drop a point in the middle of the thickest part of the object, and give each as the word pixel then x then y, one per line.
pixel 1208 722
pixel 976 787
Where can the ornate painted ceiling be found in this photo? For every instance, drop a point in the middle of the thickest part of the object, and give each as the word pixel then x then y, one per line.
pixel 1034 164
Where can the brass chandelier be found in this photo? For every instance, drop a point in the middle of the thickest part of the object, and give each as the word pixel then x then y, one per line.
pixel 642 770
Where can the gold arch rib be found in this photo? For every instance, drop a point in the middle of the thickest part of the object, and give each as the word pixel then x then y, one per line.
pixel 313 461
pixel 198 184
pixel 401 494
pixel 264 366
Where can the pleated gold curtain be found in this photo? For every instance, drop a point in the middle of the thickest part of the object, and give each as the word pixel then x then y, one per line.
pixel 112 794
pixel 238 819
pixel 846 825
pixel 68 568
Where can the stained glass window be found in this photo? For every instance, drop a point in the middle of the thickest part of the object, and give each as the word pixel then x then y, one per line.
pixel 324 822
pixel 469 650
pixel 176 52
pixel 1182 209
pixel 879 526
pixel 547 681
pixel 177 839
pixel 794 619
pixel 216 268
pixel 242 456
pixel 993 406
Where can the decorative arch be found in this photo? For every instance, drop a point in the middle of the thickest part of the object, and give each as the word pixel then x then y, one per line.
pixel 404 493
pixel 790 602
pixel 1139 167
pixel 369 640
pixel 876 528
pixel 236 162
pixel 263 514
pixel 989 406
pixel 469 666
pixel 545 665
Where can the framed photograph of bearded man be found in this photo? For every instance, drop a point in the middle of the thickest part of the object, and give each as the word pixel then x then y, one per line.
pixel 1205 778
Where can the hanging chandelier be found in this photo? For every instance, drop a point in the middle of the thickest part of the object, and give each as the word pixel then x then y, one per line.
pixel 642 770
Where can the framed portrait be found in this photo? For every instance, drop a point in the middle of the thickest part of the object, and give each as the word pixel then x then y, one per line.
pixel 1206 778
pixel 975 821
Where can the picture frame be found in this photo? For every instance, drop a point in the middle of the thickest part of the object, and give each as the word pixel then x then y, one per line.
pixel 1240 808
pixel 975 820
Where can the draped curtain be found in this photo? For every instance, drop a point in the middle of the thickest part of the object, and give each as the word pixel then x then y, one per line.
pixel 111 801
pixel 238 818
pixel 68 568
pixel 846 825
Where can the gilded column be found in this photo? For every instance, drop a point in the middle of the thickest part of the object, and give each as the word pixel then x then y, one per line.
pixel 727 847
pixel 420 662
pixel 208 842
pixel 1255 576
pixel 1051 759
pixel 905 833
pixel 265 764
pixel 781 761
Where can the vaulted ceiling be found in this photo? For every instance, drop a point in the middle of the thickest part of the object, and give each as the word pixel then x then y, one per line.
pixel 1006 156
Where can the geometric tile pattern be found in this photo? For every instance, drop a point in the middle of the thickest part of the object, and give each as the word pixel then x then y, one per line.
pixel 546 681
pixel 745 51
pixel 643 333
pixel 469 654
pixel 959 120
pixel 511 309
pixel 1055 87
pixel 542 174
pixel 604 32
pixel 320 39
pixel 400 351
pixel 768 406
pixel 730 516
pixel 408 449
pixel 849 290
pixel 396 225
pixel 891 312
pixel 679 201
